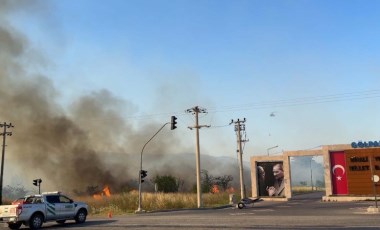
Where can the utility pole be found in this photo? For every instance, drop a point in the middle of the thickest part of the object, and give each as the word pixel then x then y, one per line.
pixel 196 110
pixel 4 134
pixel 239 127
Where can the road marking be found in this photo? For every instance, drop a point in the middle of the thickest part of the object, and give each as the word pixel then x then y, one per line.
pixel 358 208
pixel 242 213
pixel 294 203
pixel 264 210
pixel 251 213
pixel 369 213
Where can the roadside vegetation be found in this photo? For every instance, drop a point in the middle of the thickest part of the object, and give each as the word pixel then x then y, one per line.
pixel 215 192
pixel 128 202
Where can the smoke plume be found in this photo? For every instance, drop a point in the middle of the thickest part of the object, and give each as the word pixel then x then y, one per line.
pixel 88 143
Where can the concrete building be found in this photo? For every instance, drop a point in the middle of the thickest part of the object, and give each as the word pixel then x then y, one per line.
pixel 349 170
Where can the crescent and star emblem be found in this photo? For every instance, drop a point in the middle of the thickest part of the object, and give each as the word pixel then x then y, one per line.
pixel 340 167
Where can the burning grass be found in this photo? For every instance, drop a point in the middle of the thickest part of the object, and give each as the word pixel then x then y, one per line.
pixel 124 203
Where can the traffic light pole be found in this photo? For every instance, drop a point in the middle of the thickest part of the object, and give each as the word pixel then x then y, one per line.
pixel 139 209
pixel 37 182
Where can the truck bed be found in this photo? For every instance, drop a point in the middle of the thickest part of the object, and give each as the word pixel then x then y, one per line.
pixel 8 211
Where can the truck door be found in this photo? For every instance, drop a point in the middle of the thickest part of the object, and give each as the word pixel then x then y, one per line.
pixel 53 207
pixel 67 207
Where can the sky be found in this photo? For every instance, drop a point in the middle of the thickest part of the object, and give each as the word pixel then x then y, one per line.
pixel 302 73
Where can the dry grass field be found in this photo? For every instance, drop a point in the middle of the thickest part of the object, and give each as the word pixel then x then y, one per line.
pixel 128 202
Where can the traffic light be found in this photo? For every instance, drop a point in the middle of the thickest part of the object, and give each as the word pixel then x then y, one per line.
pixel 37 182
pixel 143 173
pixel 173 123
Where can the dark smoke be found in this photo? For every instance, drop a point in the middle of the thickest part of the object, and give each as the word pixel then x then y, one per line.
pixel 90 143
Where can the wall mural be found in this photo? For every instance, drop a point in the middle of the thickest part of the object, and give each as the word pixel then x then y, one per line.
pixel 270 179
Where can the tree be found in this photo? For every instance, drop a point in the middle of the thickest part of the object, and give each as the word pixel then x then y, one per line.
pixel 207 181
pixel 166 183
pixel 14 192
pixel 223 181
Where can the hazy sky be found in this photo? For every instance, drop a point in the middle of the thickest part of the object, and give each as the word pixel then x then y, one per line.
pixel 315 64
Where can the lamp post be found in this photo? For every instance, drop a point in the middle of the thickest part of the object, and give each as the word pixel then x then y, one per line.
pixel 271 148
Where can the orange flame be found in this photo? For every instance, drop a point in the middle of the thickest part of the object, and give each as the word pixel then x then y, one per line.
pixel 215 189
pixel 230 190
pixel 105 192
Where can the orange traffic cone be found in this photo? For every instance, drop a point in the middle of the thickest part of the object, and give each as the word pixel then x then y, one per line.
pixel 109 214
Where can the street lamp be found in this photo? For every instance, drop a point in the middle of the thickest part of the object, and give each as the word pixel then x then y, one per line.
pixel 143 173
pixel 271 148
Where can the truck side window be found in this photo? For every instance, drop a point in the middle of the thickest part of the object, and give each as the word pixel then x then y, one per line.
pixel 29 200
pixel 63 199
pixel 52 199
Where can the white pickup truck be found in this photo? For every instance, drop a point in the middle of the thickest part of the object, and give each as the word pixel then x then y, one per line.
pixel 34 210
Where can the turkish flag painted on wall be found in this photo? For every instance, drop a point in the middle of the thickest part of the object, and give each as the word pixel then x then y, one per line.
pixel 338 173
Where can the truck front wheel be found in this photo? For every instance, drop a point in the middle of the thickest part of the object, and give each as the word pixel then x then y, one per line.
pixel 81 216
pixel 14 225
pixel 35 221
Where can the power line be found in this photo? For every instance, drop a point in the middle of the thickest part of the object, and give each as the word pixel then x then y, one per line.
pixel 330 98
pixel 361 95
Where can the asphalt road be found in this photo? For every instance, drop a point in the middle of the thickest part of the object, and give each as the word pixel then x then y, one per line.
pixel 302 212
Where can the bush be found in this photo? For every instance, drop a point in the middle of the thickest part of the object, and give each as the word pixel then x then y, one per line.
pixel 166 184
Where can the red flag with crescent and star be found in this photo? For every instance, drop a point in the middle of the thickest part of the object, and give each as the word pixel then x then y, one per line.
pixel 338 173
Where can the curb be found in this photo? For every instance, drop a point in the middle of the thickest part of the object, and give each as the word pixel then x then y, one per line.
pixel 190 209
